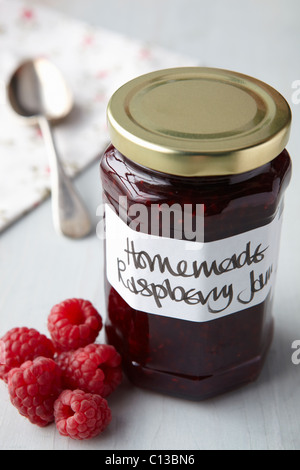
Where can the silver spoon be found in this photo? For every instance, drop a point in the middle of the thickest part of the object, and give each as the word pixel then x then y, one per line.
pixel 38 93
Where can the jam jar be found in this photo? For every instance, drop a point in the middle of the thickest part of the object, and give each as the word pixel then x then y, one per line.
pixel 193 187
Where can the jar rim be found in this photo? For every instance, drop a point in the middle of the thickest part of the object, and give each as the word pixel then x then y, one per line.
pixel 198 121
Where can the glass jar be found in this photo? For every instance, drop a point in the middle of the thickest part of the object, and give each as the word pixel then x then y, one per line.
pixel 193 185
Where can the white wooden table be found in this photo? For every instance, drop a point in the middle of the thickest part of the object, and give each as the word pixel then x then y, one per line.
pixel 38 268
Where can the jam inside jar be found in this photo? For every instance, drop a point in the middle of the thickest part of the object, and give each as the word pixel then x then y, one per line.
pixel 191 358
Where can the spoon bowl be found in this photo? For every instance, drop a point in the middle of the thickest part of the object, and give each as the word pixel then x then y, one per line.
pixel 39 95
pixel 37 87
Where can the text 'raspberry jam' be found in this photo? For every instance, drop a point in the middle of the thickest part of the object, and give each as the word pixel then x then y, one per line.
pixel 193 185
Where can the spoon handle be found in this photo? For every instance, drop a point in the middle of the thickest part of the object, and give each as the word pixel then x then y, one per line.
pixel 70 216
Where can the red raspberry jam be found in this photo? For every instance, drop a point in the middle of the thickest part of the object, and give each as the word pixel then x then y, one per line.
pixel 194 323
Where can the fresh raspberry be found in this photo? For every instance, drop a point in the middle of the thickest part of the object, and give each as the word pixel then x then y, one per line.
pixel 81 415
pixel 73 323
pixel 33 388
pixel 22 344
pixel 96 368
pixel 62 360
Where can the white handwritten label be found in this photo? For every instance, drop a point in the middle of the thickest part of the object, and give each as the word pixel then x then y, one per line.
pixel 170 277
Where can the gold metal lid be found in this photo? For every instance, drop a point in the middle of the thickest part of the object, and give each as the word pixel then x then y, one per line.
pixel 197 121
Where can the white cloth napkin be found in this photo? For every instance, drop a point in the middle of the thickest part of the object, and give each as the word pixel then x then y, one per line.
pixel 95 62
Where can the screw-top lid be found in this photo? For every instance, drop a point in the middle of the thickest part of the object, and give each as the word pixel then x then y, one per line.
pixel 197 121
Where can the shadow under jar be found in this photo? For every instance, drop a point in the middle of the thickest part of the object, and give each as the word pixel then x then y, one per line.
pixel 193 185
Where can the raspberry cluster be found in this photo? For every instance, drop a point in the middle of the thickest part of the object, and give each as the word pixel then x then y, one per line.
pixel 67 378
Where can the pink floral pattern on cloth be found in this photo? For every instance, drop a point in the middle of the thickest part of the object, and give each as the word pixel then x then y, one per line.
pixel 95 63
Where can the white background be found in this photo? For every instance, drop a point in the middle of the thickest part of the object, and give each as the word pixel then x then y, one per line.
pixel 38 269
